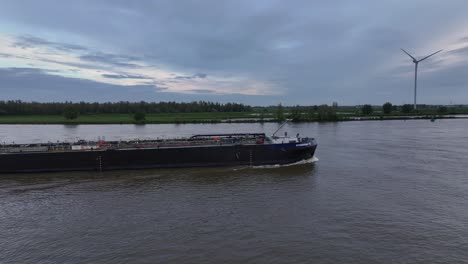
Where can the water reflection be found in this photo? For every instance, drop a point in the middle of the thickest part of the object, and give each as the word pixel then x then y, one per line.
pixel 136 178
pixel 187 173
pixel 71 126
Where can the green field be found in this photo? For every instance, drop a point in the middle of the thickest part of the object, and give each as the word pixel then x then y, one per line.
pixel 342 114
pixel 125 118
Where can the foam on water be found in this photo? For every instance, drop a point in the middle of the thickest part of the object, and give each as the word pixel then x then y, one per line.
pixel 301 162
pixel 273 166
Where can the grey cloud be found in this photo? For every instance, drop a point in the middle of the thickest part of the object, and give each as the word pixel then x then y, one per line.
pixel 158 88
pixel 4 55
pixel 87 64
pixel 200 75
pixel 183 77
pixel 90 56
pixel 464 39
pixel 36 84
pixel 111 59
pixel 32 84
pixel 195 76
pixel 32 41
pixel 88 59
pixel 123 76
pixel 459 51
pixel 204 91
pixel 8 72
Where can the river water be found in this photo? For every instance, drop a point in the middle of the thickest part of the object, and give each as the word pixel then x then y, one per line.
pixel 381 192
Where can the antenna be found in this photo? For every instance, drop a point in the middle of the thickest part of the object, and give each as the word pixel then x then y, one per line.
pixel 282 125
pixel 416 62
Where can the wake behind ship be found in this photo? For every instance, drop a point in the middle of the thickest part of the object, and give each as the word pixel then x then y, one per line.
pixel 250 149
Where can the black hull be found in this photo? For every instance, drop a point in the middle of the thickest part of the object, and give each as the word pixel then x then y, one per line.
pixel 177 157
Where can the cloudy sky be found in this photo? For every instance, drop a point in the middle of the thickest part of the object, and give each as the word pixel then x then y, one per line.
pixel 255 52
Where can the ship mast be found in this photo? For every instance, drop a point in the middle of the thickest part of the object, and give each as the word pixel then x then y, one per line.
pixel 282 125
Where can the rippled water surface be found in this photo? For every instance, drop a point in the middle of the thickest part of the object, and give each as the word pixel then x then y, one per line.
pixel 381 192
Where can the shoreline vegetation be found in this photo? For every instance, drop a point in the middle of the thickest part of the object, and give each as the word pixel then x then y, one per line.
pixel 18 112
pixel 109 119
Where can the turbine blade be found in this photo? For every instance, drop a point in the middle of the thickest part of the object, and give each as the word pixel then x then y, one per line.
pixel 429 56
pixel 407 54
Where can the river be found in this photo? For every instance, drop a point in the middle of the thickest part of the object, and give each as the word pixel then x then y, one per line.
pixel 381 192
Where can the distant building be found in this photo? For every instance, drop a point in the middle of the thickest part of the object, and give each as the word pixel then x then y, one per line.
pixel 335 104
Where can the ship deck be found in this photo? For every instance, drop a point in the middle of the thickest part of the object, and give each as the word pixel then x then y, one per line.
pixel 100 145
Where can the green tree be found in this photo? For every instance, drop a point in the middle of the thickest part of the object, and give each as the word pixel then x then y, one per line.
pixel 326 113
pixel 262 115
pixel 442 110
pixel 387 108
pixel 139 116
pixel 311 112
pixel 406 108
pixel 367 109
pixel 70 113
pixel 296 114
pixel 279 112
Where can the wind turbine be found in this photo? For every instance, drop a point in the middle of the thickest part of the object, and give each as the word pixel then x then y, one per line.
pixel 416 62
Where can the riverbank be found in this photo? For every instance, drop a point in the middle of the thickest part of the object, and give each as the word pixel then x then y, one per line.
pixel 205 117
pixel 160 118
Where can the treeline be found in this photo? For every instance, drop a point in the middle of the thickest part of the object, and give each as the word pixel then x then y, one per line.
pixel 336 113
pixel 304 113
pixel 57 108
pixel 408 109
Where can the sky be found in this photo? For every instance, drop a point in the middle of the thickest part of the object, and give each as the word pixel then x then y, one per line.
pixel 261 52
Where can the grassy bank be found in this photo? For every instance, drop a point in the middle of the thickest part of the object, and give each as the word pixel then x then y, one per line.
pixel 19 112
pixel 162 118
pixel 174 118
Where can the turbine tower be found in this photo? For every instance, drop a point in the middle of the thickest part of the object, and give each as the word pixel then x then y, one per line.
pixel 416 62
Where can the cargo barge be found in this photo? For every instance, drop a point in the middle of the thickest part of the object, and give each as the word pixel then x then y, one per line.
pixel 237 149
